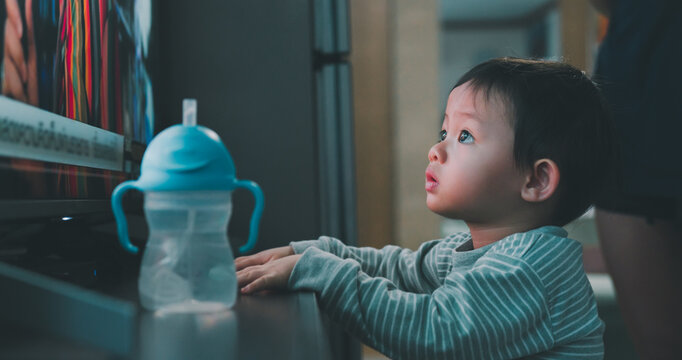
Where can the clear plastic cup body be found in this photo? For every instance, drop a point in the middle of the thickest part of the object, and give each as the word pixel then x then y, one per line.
pixel 188 264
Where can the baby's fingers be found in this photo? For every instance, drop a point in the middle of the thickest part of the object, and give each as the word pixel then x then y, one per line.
pixel 246 261
pixel 261 283
pixel 252 279
pixel 247 276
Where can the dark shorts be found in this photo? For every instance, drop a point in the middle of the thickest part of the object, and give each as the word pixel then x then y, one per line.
pixel 650 207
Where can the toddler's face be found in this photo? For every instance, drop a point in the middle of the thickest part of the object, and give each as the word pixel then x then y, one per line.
pixel 471 173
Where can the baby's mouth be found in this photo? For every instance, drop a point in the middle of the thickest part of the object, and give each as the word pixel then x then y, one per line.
pixel 430 176
pixel 431 181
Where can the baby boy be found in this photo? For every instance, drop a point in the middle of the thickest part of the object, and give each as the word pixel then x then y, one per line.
pixel 524 149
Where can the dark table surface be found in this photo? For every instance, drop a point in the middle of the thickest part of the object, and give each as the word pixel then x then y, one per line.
pixel 281 326
pixel 44 318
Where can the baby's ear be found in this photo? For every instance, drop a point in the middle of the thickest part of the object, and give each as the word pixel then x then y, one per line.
pixel 541 181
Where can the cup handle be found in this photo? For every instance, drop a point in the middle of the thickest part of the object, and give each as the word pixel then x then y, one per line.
pixel 121 223
pixel 255 216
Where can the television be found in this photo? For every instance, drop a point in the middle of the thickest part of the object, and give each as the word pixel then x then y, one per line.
pixel 76 113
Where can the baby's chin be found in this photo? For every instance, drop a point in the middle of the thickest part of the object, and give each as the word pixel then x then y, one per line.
pixel 450 211
pixel 430 202
pixel 433 205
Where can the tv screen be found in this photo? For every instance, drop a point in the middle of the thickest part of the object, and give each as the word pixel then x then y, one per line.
pixel 77 100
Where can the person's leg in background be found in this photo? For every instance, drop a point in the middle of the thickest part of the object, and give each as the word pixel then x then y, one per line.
pixel 644 260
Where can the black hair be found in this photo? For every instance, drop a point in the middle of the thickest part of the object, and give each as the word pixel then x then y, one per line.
pixel 557 113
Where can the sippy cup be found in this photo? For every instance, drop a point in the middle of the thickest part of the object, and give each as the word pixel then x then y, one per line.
pixel 187 176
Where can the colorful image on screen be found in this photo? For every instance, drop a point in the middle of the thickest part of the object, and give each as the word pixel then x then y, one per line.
pixel 85 60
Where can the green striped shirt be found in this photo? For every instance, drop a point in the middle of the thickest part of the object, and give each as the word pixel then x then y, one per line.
pixel 525 295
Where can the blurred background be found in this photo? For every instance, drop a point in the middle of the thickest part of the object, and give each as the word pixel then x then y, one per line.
pixel 406 57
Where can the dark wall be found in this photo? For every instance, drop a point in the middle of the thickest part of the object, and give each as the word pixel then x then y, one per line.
pixel 249 65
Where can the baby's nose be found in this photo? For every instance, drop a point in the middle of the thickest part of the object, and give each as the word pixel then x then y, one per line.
pixel 435 154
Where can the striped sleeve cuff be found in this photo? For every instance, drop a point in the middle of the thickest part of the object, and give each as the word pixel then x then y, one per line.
pixel 300 246
pixel 313 270
pixel 323 243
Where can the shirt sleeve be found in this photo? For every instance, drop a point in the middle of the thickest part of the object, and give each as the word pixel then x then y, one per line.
pixel 496 310
pixel 412 271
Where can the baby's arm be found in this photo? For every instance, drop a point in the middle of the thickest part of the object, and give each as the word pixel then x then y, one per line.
pixel 497 310
pixel 403 267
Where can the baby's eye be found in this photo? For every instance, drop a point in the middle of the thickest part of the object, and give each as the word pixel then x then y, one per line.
pixel 443 134
pixel 465 137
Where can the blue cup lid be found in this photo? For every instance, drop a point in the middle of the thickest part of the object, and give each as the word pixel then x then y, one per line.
pixel 187 157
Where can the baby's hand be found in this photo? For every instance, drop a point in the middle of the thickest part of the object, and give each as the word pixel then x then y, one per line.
pixel 263 257
pixel 273 275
